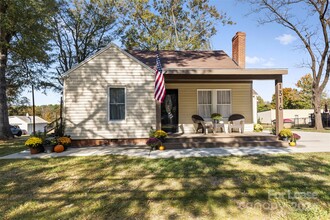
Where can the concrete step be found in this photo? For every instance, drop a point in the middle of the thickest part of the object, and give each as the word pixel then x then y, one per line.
pixel 179 145
pixel 181 141
pixel 222 140
pixel 212 139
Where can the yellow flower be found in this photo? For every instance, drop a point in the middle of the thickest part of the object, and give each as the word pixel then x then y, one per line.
pixel 285 132
pixel 64 140
pixel 33 142
pixel 160 134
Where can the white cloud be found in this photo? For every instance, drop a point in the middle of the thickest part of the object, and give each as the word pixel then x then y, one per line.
pixel 253 60
pixel 259 61
pixel 286 39
pixel 269 63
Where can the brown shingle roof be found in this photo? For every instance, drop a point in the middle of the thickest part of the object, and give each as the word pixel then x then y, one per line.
pixel 170 59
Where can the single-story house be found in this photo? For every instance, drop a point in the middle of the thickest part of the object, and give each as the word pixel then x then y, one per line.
pixel 111 94
pixel 26 123
pixel 298 116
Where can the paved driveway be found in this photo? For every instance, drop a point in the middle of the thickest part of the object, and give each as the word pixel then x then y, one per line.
pixel 310 142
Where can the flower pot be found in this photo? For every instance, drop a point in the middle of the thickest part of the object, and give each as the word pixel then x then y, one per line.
pixel 49 149
pixel 36 150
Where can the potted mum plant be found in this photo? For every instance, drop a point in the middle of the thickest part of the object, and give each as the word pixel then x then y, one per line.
pixel 35 145
pixel 285 134
pixel 48 145
pixel 216 117
pixel 65 141
pixel 153 143
pixel 161 135
pixel 258 128
pixel 293 139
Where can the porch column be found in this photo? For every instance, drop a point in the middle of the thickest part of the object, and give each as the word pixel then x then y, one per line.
pixel 158 116
pixel 279 104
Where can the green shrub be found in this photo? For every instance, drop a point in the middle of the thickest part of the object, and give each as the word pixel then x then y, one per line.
pixel 152 132
pixel 258 128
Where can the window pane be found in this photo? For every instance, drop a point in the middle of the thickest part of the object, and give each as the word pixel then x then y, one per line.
pixel 204 110
pixel 204 97
pixel 224 103
pixel 117 103
pixel 223 97
pixel 224 110
pixel 117 111
pixel 117 95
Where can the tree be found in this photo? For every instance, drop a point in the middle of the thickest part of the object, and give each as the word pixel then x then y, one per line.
pixel 262 105
pixel 305 84
pixel 81 28
pixel 291 99
pixel 24 35
pixel 47 112
pixel 311 23
pixel 175 24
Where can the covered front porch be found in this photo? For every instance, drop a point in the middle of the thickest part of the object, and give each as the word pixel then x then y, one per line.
pixel 227 91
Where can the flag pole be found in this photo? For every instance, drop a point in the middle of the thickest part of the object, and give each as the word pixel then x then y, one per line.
pixel 158 108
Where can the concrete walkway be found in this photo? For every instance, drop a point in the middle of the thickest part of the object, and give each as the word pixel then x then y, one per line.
pixel 310 142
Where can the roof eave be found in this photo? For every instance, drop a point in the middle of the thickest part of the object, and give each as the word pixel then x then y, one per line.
pixel 222 71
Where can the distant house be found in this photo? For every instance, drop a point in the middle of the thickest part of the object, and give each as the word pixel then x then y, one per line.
pixel 111 94
pixel 255 106
pixel 26 123
pixel 298 116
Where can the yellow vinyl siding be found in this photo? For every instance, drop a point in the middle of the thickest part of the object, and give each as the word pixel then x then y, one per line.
pixel 86 97
pixel 241 98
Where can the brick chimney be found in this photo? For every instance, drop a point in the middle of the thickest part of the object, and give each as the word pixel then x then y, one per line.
pixel 238 49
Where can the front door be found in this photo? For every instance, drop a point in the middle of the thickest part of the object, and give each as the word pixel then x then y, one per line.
pixel 170 111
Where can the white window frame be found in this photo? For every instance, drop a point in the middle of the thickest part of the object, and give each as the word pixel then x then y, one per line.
pixel 214 101
pixel 125 91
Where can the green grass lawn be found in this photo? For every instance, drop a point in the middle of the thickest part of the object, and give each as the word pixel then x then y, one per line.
pixel 120 187
pixel 12 146
pixel 326 129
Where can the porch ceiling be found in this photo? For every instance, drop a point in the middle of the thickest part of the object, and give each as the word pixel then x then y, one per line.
pixel 205 74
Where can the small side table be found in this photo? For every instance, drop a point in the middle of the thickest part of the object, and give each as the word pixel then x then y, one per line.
pixel 219 127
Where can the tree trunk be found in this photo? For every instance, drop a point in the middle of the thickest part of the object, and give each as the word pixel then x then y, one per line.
pixel 5 132
pixel 317 109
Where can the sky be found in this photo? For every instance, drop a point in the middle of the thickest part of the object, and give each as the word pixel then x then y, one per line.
pixel 267 46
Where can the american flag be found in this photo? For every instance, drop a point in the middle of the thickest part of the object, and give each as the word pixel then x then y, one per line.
pixel 159 81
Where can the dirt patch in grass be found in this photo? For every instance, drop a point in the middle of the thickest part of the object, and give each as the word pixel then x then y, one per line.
pixel 120 187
